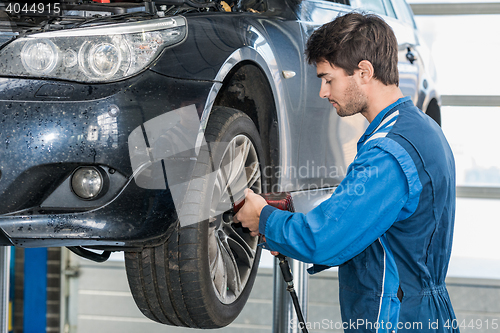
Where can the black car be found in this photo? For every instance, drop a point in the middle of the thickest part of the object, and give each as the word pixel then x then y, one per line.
pixel 135 126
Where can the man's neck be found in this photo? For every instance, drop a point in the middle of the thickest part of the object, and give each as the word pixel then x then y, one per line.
pixel 379 98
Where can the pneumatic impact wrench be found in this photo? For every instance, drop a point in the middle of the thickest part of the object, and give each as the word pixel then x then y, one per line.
pixel 283 201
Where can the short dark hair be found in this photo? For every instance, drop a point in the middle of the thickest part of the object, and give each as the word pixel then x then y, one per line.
pixel 354 37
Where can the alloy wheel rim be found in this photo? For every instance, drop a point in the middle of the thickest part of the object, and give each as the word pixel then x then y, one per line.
pixel 231 249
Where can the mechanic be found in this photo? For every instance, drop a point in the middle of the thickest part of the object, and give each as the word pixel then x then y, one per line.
pixel 389 224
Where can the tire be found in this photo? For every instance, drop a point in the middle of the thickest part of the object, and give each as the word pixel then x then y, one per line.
pixel 434 111
pixel 202 275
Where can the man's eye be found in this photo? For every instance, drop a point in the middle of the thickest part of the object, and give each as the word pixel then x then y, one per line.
pixel 327 82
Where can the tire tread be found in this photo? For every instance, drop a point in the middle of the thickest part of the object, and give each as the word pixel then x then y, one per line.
pixel 166 280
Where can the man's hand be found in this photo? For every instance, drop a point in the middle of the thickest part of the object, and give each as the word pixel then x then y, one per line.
pixel 250 212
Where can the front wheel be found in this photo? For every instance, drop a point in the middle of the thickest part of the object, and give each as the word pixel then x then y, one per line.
pixel 202 275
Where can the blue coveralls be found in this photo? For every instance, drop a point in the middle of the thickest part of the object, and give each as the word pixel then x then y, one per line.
pixel 388 226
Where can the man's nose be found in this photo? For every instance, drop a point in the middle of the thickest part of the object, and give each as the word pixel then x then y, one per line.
pixel 323 91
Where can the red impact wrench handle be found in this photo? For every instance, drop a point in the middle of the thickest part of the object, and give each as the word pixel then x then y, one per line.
pixel 280 200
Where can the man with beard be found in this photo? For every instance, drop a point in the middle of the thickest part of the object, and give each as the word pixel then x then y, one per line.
pixel 389 224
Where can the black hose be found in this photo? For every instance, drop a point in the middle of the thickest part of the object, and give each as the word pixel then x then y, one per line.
pixel 196 4
pixel 89 254
pixel 192 3
pixel 296 305
pixel 288 277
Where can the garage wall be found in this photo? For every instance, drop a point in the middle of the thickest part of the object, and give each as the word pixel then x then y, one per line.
pixel 98 300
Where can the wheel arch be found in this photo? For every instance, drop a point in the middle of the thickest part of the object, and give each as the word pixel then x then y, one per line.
pixel 245 83
pixel 433 110
pixel 429 100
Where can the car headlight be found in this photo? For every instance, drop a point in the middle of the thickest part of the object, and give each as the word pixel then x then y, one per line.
pixel 94 54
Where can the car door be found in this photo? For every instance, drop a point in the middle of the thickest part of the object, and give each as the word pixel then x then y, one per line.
pixel 411 68
pixel 287 63
pixel 396 15
pixel 326 142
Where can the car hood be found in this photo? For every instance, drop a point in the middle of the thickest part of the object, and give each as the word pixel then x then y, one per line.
pixel 69 14
pixel 22 20
pixel 5 37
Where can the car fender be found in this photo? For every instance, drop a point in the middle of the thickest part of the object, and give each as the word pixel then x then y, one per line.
pixel 262 57
pixel 215 45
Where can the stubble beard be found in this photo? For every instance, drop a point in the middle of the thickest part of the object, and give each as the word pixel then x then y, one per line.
pixel 357 101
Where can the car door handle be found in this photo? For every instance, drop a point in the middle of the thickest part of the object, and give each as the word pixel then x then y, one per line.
pixel 410 56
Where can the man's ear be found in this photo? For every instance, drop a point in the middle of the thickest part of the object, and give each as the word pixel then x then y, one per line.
pixel 365 71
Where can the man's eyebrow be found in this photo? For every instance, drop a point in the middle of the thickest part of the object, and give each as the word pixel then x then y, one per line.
pixel 320 75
